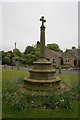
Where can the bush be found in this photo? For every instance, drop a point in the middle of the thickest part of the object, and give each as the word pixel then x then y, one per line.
pixel 6 60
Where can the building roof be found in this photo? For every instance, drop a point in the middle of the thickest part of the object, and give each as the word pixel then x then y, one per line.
pixel 51 53
pixel 77 53
pixel 56 53
pixel 74 51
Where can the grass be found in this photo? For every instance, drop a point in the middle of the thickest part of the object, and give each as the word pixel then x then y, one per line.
pixel 39 113
pixel 13 74
pixel 17 102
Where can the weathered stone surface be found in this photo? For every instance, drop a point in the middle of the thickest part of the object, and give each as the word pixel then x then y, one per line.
pixel 43 85
pixel 42 76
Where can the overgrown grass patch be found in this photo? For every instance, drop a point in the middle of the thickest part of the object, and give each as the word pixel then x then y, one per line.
pixel 20 104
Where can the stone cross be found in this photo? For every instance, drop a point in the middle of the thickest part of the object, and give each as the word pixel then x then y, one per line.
pixel 42 19
pixel 42 38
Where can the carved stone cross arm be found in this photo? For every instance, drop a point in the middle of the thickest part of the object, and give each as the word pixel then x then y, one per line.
pixel 42 19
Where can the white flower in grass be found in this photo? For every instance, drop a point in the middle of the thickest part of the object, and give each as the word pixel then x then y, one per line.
pixel 32 102
pixel 62 100
pixel 44 107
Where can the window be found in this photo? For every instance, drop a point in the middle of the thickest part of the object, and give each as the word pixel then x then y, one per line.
pixel 66 60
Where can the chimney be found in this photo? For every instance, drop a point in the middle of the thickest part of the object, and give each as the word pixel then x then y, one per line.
pixel 38 44
pixel 73 49
pixel 67 50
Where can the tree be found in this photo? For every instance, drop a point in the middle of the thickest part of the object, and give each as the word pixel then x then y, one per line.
pixel 3 55
pixel 16 58
pixel 29 49
pixel 54 47
pixel 6 60
pixel 16 52
pixel 37 52
pixel 10 55
pixel 30 58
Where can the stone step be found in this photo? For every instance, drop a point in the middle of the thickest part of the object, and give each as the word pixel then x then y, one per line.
pixel 56 79
pixel 43 71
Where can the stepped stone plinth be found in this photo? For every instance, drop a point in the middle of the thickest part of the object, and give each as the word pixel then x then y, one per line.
pixel 42 76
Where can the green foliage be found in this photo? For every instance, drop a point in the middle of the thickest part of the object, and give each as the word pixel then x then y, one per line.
pixel 7 57
pixel 54 47
pixel 20 101
pixel 37 52
pixel 16 52
pixel 28 59
pixel 16 58
pixel 30 55
pixel 9 54
pixel 3 55
pixel 29 49
pixel 24 101
pixel 13 95
pixel 6 60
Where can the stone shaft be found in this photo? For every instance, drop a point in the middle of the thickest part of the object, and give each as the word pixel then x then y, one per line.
pixel 42 43
pixel 42 38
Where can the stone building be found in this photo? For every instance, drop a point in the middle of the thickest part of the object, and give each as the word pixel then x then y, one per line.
pixel 70 57
pixel 51 55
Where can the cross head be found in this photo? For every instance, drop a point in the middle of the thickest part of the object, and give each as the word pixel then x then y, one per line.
pixel 42 19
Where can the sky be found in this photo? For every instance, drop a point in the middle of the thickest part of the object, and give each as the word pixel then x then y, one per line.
pixel 21 24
